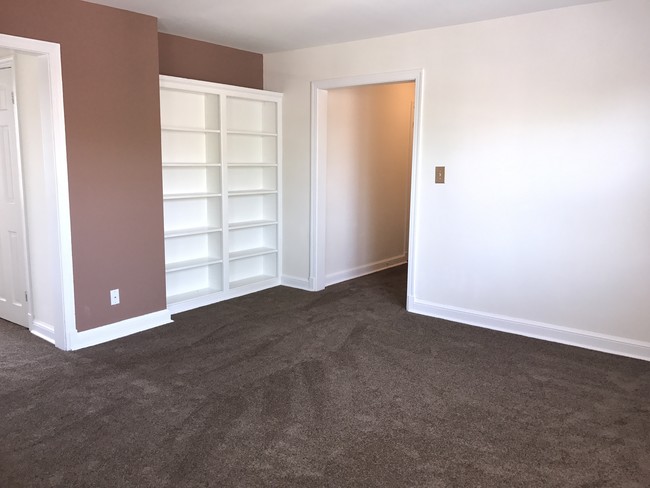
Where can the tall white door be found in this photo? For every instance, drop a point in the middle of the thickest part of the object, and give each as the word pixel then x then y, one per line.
pixel 13 272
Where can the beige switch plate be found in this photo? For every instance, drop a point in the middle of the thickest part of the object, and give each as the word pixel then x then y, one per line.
pixel 440 174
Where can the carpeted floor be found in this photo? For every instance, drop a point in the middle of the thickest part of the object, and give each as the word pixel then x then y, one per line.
pixel 287 388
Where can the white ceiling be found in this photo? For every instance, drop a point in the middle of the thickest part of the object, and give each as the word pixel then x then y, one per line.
pixel 266 26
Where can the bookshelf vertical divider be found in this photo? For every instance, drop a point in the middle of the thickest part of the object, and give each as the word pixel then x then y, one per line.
pixel 221 166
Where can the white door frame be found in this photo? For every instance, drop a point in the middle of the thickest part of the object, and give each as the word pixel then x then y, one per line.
pixel 319 90
pixel 56 175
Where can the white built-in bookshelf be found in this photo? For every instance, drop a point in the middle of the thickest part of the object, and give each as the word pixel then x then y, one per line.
pixel 221 188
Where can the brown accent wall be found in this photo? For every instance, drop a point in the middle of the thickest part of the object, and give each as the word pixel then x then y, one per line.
pixel 110 88
pixel 199 60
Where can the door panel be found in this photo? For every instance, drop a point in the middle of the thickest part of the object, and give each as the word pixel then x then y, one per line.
pixel 13 276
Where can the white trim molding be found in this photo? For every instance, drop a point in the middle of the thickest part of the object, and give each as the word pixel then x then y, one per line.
pixel 554 333
pixel 295 282
pixel 43 330
pixel 366 269
pixel 120 329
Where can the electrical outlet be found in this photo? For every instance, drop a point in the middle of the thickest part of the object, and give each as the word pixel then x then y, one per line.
pixel 115 297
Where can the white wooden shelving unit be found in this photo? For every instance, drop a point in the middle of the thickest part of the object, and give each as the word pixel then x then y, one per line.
pixel 222 190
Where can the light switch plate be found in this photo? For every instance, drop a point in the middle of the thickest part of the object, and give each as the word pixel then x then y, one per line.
pixel 440 174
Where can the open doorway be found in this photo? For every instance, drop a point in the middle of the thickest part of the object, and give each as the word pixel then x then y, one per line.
pixel 38 97
pixel 369 153
pixel 363 250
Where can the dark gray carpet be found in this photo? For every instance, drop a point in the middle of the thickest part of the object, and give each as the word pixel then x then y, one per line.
pixel 340 388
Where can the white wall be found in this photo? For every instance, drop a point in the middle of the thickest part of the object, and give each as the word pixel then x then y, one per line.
pixel 368 176
pixel 543 122
pixel 40 200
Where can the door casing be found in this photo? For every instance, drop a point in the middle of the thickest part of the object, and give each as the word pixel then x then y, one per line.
pixel 319 90
pixel 63 330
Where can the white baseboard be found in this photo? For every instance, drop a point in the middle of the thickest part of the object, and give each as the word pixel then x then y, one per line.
pixel 564 335
pixel 43 330
pixel 366 269
pixel 193 303
pixel 117 330
pixel 219 296
pixel 294 282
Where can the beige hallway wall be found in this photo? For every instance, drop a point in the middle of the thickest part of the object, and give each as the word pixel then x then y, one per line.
pixel 368 176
